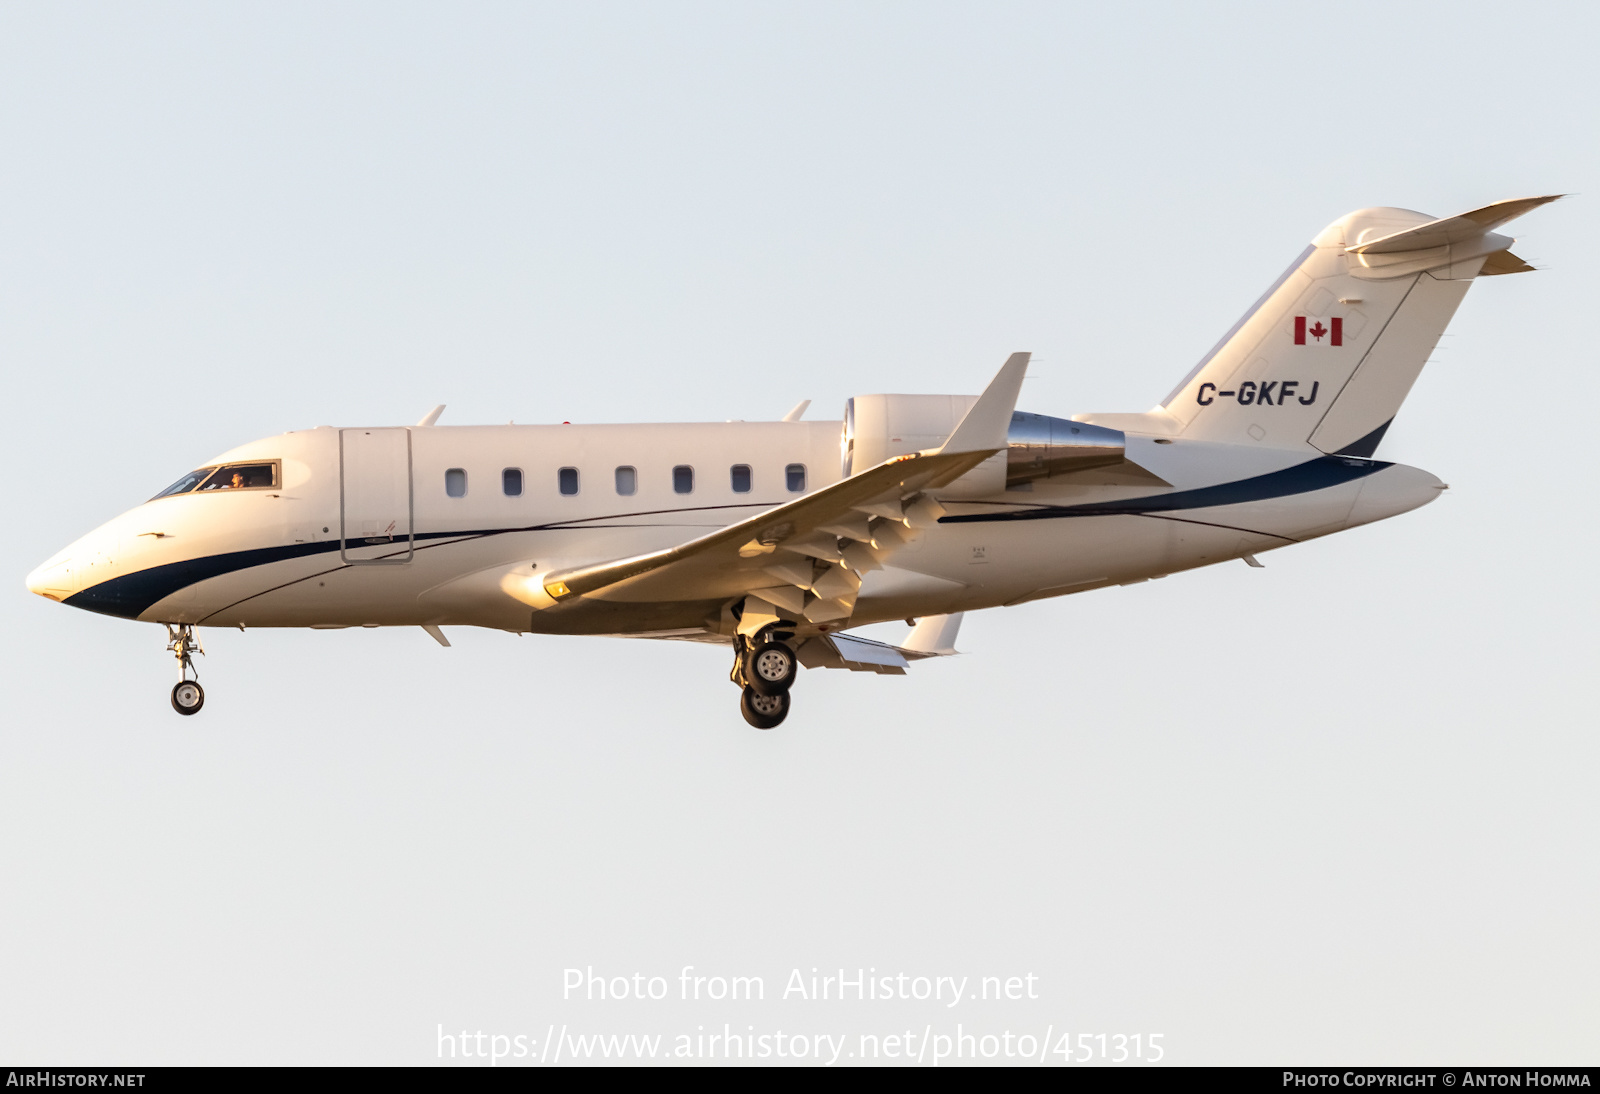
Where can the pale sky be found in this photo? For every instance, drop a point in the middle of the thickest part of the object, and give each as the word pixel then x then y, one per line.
pixel 1341 809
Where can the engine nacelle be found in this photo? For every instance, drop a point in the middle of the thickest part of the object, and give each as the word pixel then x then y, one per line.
pixel 878 427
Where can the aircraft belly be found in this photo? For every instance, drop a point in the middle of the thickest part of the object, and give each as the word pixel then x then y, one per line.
pixel 991 564
pixel 897 593
pixel 1293 517
pixel 1013 561
pixel 1009 562
pixel 605 617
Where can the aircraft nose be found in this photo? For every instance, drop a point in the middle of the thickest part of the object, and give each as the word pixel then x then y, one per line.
pixel 53 580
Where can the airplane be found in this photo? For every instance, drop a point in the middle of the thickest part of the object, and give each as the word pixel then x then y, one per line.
pixel 775 539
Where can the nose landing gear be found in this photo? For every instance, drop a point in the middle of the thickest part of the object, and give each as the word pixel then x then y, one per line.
pixel 187 695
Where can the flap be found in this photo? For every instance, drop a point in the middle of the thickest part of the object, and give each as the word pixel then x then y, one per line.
pixel 864 651
pixel 933 637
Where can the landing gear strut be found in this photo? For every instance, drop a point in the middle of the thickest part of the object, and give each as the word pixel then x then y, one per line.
pixel 764 667
pixel 187 695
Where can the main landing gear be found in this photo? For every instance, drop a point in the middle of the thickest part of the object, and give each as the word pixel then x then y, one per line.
pixel 187 695
pixel 765 668
pixel 763 711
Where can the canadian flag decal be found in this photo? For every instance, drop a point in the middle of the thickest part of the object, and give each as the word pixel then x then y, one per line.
pixel 1329 333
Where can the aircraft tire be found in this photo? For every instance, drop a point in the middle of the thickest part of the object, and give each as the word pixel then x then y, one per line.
pixel 770 668
pixel 188 697
pixel 764 711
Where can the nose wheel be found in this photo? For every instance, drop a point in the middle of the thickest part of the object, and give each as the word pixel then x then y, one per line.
pixel 187 695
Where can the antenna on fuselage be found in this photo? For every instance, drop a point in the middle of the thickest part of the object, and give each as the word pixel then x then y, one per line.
pixel 431 416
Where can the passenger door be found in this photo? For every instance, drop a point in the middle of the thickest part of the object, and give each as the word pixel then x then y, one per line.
pixel 375 505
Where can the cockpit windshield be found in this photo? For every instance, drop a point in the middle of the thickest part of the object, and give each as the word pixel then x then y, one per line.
pixel 187 483
pixel 230 476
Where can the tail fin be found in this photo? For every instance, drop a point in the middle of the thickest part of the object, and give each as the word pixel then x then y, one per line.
pixel 1328 354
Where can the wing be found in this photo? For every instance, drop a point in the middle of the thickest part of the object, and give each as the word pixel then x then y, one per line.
pixel 807 557
pixel 809 550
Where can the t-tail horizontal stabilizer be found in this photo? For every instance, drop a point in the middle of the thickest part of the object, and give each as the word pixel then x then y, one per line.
pixel 1457 229
pixel 1449 247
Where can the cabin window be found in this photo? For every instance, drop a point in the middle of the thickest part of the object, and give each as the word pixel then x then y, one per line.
pixel 567 479
pixel 455 482
pixel 511 482
pixel 739 473
pixel 683 479
pixel 627 481
pixel 794 476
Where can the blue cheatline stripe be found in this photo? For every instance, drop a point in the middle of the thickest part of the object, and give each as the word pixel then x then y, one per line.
pixel 128 596
pixel 1318 474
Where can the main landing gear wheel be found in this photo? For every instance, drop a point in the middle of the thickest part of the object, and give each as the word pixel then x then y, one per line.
pixel 763 711
pixel 770 668
pixel 188 697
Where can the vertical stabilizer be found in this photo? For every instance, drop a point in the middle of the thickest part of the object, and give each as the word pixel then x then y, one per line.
pixel 1326 356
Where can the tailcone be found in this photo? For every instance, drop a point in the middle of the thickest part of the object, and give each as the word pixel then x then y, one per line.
pixel 1394 490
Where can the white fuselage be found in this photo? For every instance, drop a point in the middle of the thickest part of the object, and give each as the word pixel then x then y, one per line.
pixel 316 551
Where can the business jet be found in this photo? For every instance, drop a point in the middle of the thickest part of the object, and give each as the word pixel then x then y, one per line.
pixel 775 539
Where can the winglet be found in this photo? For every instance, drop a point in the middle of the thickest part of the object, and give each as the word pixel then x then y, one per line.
pixel 431 416
pixel 988 423
pixel 799 409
